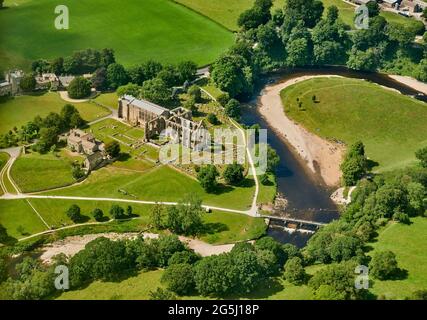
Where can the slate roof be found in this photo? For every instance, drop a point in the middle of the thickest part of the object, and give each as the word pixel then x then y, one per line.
pixel 146 105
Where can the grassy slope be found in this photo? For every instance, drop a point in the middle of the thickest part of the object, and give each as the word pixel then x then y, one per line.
pixel 19 110
pixel 4 158
pixel 108 99
pixel 158 29
pixel 378 117
pixel 409 243
pixel 159 184
pixel 15 213
pixel 35 172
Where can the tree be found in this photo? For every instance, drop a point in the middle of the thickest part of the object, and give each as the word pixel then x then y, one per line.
pixel 294 271
pixel 269 244
pixel 354 166
pixel 156 216
pixel 4 237
pixel 188 257
pixel 186 217
pixel 207 178
pixel 169 75
pixel 373 9
pixel 129 211
pixel 73 213
pixel 1 3
pixel 57 66
pixel 98 214
pixel 215 275
pixel 99 79
pixel 307 11
pixel 233 74
pixel 79 88
pixel 273 159
pixel 112 149
pixel 257 15
pixel 128 89
pixel 162 294
pixel 212 118
pixel 117 212
pixel 71 117
pixel 419 295
pixel 116 75
pixel 299 47
pixel 383 265
pixel 28 83
pixel 78 172
pixel 421 155
pixel 336 281
pixel 107 57
pixel 166 246
pixel 156 91
pixel 179 278
pixel 232 108
pixel 186 71
pixel 195 92
pixel 48 138
pixel 233 173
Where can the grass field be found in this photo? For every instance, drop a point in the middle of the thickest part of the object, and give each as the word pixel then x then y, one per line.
pixel 17 214
pixel 35 172
pixel 108 99
pixel 409 243
pixel 149 29
pixel 219 227
pixel 391 125
pixel 159 184
pixel 19 110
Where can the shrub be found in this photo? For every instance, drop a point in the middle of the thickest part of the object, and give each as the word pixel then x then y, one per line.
pixel 212 118
pixel 233 173
pixel 117 212
pixel 383 265
pixel 98 214
pixel 179 278
pixel 195 92
pixel 294 271
pixel 74 213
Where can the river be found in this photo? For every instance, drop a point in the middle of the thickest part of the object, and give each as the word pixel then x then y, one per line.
pixel 307 196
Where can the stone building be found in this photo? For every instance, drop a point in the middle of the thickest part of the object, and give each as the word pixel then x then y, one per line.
pixel 11 85
pixel 47 81
pixel 82 142
pixel 5 89
pixel 176 124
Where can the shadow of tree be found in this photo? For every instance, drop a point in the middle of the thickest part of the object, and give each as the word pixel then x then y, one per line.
pixel 212 228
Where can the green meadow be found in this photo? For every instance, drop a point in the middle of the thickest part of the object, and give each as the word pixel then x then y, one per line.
pixel 158 184
pixel 138 31
pixel 392 126
pixel 18 110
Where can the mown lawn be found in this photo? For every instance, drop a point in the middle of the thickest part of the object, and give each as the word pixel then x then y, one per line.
pixel 391 125
pixel 409 243
pixel 19 218
pixel 140 30
pixel 35 172
pixel 108 99
pixel 219 227
pixel 19 110
pixel 158 184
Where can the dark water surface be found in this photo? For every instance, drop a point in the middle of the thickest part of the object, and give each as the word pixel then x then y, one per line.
pixel 308 197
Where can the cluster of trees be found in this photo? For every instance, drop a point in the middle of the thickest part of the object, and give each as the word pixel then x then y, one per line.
pixel 300 35
pixel 341 243
pixel 46 130
pixel 235 273
pixel 79 88
pixel 355 164
pixel 116 212
pixel 233 175
pixel 153 81
pixel 184 218
pixel 80 62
